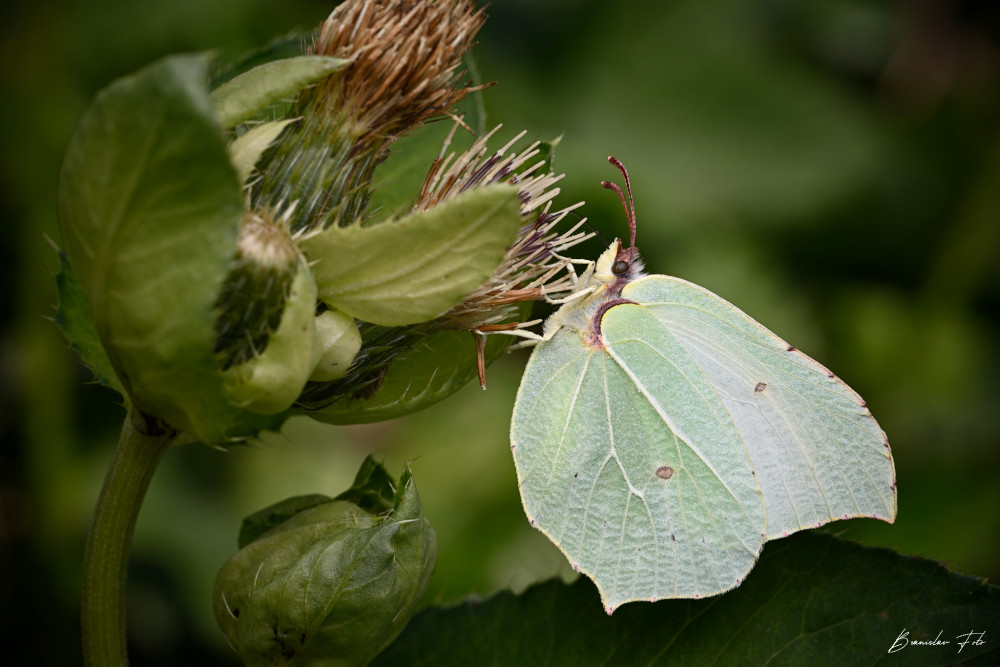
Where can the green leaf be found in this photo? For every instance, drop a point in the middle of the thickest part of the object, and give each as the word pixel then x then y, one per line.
pixel 260 522
pixel 813 600
pixel 547 153
pixel 436 368
pixel 373 489
pixel 76 319
pixel 246 95
pixel 332 584
pixel 290 45
pixel 149 209
pixel 418 267
pixel 270 382
pixel 247 148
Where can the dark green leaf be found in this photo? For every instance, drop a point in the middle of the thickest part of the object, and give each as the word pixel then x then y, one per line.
pixel 261 521
pixel 373 489
pixel 811 600
pixel 76 319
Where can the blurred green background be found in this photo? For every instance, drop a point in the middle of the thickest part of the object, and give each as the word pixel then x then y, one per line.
pixel 832 167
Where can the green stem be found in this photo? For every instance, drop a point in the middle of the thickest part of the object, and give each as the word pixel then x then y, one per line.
pixel 140 448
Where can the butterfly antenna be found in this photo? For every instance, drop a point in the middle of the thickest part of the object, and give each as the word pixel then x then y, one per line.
pixel 595 231
pixel 630 206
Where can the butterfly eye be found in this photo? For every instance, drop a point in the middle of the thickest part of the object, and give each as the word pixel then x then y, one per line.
pixel 619 267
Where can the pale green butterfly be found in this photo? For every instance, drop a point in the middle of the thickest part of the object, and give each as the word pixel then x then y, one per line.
pixel 661 435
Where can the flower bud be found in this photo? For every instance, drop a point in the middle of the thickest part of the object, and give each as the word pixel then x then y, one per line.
pixel 265 325
pixel 333 582
pixel 337 343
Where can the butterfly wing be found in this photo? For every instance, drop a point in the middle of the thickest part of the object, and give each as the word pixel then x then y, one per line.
pixel 631 465
pixel 817 451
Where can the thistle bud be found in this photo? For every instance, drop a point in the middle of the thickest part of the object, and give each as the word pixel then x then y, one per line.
pixel 337 342
pixel 402 58
pixel 334 581
pixel 265 328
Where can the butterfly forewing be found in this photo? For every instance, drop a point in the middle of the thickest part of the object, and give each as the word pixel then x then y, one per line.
pixel 818 453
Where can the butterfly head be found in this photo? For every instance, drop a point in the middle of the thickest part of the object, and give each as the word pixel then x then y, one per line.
pixel 621 264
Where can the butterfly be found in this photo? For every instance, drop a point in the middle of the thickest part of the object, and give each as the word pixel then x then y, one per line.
pixel 661 435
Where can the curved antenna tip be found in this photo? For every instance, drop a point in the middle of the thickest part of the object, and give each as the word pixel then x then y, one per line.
pixel 630 207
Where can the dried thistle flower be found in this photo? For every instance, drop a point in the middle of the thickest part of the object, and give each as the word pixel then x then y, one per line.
pixel 405 54
pixel 404 58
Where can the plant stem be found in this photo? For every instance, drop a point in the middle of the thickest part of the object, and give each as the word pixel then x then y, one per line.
pixel 141 446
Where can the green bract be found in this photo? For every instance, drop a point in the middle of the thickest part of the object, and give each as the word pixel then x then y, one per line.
pixel 434 369
pixel 418 267
pixel 270 382
pixel 333 582
pixel 76 318
pixel 247 148
pixel 243 96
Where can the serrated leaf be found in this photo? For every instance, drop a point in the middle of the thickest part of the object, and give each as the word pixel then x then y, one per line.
pixel 76 319
pixel 246 95
pixel 418 267
pixel 813 600
pixel 149 210
pixel 373 489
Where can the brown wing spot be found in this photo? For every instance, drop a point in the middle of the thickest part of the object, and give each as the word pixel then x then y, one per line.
pixel 664 472
pixel 830 374
pixel 761 386
pixel 791 348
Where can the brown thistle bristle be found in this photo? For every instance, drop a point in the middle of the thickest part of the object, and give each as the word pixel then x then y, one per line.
pixel 405 54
